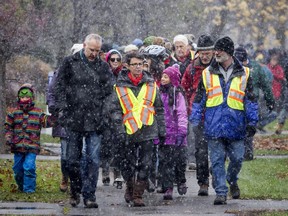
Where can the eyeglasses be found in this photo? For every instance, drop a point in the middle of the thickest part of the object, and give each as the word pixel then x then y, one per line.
pixel 136 64
pixel 117 59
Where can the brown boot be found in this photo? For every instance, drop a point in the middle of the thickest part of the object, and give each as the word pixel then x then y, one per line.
pixel 64 184
pixel 279 129
pixel 138 190
pixel 129 191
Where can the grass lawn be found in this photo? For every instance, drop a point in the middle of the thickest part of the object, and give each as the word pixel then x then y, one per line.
pixel 47 190
pixel 46 138
pixel 264 179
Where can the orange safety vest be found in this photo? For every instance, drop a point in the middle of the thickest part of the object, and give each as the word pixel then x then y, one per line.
pixel 137 110
pixel 214 91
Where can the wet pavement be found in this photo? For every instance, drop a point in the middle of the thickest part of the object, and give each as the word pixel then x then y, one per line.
pixel 111 202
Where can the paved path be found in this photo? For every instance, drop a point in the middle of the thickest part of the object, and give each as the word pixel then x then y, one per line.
pixel 111 202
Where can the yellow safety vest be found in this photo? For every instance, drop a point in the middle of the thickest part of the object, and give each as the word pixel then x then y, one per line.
pixel 137 111
pixel 214 91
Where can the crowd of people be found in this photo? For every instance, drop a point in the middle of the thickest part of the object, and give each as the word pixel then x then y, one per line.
pixel 148 110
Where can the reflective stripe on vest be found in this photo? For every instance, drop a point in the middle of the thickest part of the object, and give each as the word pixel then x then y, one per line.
pixel 214 91
pixel 137 111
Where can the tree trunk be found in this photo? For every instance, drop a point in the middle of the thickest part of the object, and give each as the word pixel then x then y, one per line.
pixel 2 101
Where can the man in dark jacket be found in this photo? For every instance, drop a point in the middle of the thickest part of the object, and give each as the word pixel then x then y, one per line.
pixel 190 82
pixel 138 114
pixel 226 100
pixel 81 87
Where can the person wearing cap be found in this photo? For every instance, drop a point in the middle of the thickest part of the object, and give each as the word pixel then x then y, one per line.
pixel 226 101
pixel 172 152
pixel 190 82
pixel 22 133
pixel 82 84
pixel 182 55
pixel 260 82
pixel 131 48
pixel 137 115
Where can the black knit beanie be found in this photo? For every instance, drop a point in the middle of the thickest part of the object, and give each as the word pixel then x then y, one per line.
pixel 241 54
pixel 205 42
pixel 225 44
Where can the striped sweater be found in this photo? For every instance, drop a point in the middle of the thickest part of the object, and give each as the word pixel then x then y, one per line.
pixel 25 128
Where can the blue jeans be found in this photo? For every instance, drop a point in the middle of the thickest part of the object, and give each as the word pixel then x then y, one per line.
pixel 218 150
pixel 89 169
pixel 64 163
pixel 25 171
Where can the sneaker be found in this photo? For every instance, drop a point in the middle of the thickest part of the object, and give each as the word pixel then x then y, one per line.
pixel 203 191
pixel 234 191
pixel 168 194
pixel 220 200
pixel 182 188
pixel 74 200
pixel 191 166
pixel 90 204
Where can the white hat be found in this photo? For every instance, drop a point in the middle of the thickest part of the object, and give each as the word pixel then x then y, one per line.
pixel 76 48
pixel 130 47
pixel 180 38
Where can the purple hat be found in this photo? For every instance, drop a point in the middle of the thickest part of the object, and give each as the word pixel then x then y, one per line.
pixel 174 74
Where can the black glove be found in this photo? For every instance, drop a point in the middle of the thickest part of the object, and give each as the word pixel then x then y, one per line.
pixel 270 107
pixel 162 140
pixel 52 110
pixel 250 131
pixel 179 139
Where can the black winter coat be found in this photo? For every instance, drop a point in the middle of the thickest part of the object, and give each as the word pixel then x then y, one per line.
pixel 146 132
pixel 81 88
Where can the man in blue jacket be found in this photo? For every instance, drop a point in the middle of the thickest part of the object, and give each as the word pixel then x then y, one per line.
pixel 226 101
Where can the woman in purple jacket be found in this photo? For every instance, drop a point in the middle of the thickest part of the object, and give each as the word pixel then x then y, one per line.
pixel 172 153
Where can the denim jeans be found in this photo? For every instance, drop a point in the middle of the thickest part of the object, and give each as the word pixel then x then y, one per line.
pixel 88 183
pixel 64 158
pixel 25 171
pixel 218 150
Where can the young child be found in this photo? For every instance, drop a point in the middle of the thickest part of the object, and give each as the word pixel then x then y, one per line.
pixel 22 133
pixel 172 153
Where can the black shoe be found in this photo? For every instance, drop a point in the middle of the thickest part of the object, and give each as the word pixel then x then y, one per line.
pixel 203 191
pixel 234 191
pixel 74 200
pixel 220 200
pixel 248 156
pixel 90 204
pixel 106 181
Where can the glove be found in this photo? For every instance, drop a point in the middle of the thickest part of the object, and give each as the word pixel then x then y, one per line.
pixel 52 110
pixel 179 140
pixel 250 131
pixel 162 140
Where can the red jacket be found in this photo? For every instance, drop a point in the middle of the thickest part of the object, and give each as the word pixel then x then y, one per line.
pixel 278 80
pixel 190 82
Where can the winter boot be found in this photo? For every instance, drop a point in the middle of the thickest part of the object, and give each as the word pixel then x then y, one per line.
pixel 64 184
pixel 129 191
pixel 138 190
pixel 74 200
pixel 182 188
pixel 234 191
pixel 220 200
pixel 203 191
pixel 168 194
pixel 118 180
pixel 279 129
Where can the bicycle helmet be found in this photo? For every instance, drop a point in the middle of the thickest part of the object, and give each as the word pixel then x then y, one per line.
pixel 155 51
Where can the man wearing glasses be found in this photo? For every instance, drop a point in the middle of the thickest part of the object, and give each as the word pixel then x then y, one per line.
pixel 138 117
pixel 82 84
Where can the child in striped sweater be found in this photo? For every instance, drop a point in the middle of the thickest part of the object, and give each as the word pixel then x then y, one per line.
pixel 22 133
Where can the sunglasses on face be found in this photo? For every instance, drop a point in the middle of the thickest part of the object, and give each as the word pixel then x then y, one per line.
pixel 115 59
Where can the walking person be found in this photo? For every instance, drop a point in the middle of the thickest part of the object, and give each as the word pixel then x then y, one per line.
pixel 190 82
pixel 172 151
pixel 22 133
pixel 137 113
pixel 82 84
pixel 231 113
